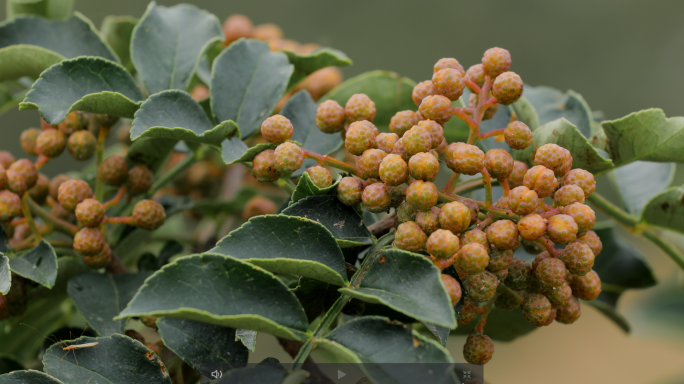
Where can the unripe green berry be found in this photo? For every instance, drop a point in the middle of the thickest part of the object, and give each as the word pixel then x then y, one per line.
pixel 422 195
pixel 423 166
pixel 369 163
pixel 320 176
pixel 522 200
pixel 532 227
pixel 587 287
pixel 454 216
pixel 330 117
pixel 518 174
pixel 422 90
pixel 507 301
pixel 393 169
pixel 582 179
pixel 406 212
pixel 551 272
pixel 448 62
pixel 410 237
pixel 359 138
pixel 536 308
pixel 453 288
pixel 499 260
pixel 567 195
pixel 570 312
pixel 148 214
pixel 349 190
pixel 503 234
pixel 474 99
pixel 478 349
pixel 559 296
pixel 554 157
pixel 359 107
pixel 499 163
pixel 113 171
pixel 26 170
pixel 72 192
pixel 385 141
pixel 402 121
pixel 541 180
pixel 518 135
pixel 89 241
pixel 376 198
pixel 40 191
pixel 277 129
pixel 264 167
pixel 90 213
pixel 476 74
pixel 578 258
pixel 140 178
pixel 81 145
pixel 428 221
pixel 442 244
pixel 562 229
pixel 592 240
pixel 74 121
pixel 417 140
pixel 289 157
pixel 475 235
pixel 472 258
pixel 496 61
pixel 507 88
pixel 100 260
pixel 449 82
pixel 10 205
pixel 519 275
pixel 464 158
pixel 400 149
pixel 481 287
pixel 28 140
pixel 437 108
pixel 436 131
pixel 584 216
pixel 50 143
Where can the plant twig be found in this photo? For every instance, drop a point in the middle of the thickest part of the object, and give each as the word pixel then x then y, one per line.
pixel 612 210
pixel 330 161
pixel 58 224
pixel 451 183
pixel 29 218
pixel 487 181
pixel 116 199
pixel 380 228
pixel 482 136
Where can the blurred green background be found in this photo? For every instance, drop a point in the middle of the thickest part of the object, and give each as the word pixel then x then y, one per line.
pixel 621 55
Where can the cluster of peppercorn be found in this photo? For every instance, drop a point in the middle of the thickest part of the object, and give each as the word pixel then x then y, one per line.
pixel 397 169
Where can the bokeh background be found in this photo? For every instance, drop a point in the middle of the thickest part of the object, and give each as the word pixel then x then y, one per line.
pixel 621 55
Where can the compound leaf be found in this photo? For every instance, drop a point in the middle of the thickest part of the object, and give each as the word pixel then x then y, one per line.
pixel 39 264
pixel 304 65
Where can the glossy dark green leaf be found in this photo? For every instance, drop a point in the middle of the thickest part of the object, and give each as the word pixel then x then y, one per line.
pixel 501 325
pixel 304 65
pixel 99 297
pixel 666 210
pixel 28 377
pixel 621 265
pixel 29 44
pixel 223 291
pixel 166 50
pixel 5 274
pixel 390 92
pixel 342 220
pixel 301 110
pixel 646 135
pixel 234 150
pixel 285 244
pixel 552 104
pixel 247 82
pixel 311 294
pixel 408 283
pixel 115 359
pixel 640 181
pixel 117 31
pixel 87 84
pixel 175 115
pixel 565 134
pixel 152 152
pixel 306 187
pixel 39 264
pixel 247 337
pixel 374 342
pixel 205 347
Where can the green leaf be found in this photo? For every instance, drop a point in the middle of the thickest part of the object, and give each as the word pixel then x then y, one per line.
pixel 247 337
pixel 29 45
pixel 117 31
pixel 301 110
pixel 342 220
pixel 318 59
pixel 51 9
pixel 234 150
pixel 99 297
pixel 175 115
pixel 152 152
pixel 640 181
pixel 526 112
pixel 5 274
pixel 551 104
pixel 39 264
pixel 306 187
pixel 311 294
pixel 666 210
pixel 390 92
pixel 501 325
pixel 285 244
pixel 565 134
pixel 205 347
pixel 246 83
pixel 168 42
pixel 88 84
pixel 645 135
pixel 223 291
pixel 378 345
pixel 442 333
pixel 621 265
pixel 408 283
pixel 30 376
pixel 126 362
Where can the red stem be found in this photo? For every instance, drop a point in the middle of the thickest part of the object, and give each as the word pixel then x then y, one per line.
pixel 461 114
pixel 116 199
pixel 120 220
pixel 495 132
pixel 506 187
pixel 451 183
pixel 473 85
pixel 332 162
